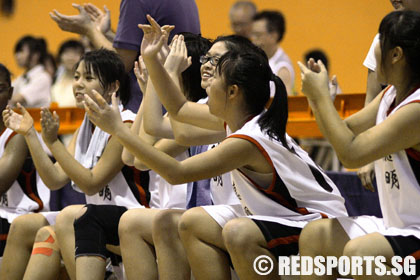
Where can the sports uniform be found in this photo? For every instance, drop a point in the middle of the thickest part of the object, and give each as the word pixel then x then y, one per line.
pixel 99 225
pixel 299 191
pixel 226 205
pixel 398 180
pixel 279 60
pixel 125 188
pixel 28 194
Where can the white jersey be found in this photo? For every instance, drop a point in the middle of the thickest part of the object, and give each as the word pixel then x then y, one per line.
pixel 27 194
pixel 299 189
pixel 279 60
pixel 221 188
pixel 126 188
pixel 171 196
pixel 370 60
pixel 398 174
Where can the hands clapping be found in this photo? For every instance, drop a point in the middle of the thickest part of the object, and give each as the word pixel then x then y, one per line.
pixel 178 60
pixel 314 79
pixel 79 24
pixel 20 123
pixel 50 124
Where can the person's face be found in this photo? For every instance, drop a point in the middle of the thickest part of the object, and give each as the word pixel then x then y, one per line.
pixel 84 83
pixel 208 69
pixel 22 56
pixel 409 5
pixel 217 93
pixel 69 58
pixel 241 21
pixel 261 37
pixel 6 92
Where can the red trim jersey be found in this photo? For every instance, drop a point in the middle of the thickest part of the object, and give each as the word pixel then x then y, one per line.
pixel 398 174
pixel 299 189
pixel 28 193
pixel 129 188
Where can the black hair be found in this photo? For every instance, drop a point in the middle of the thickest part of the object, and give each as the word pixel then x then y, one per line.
pixel 275 22
pixel 4 72
pixel 402 28
pixel 191 77
pixel 70 44
pixel 236 43
pixel 317 54
pixel 109 68
pixel 35 45
pixel 251 72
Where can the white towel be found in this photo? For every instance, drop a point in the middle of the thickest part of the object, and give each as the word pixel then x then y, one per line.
pixel 90 146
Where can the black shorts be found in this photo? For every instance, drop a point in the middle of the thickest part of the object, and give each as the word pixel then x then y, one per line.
pixel 404 246
pixel 4 231
pixel 96 228
pixel 282 240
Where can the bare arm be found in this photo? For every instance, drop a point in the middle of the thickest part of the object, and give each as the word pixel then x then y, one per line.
pixel 373 87
pixel 52 174
pixel 11 162
pixel 233 152
pixel 191 135
pixel 82 24
pixel 286 77
pixel 90 181
pixel 357 148
pixel 169 94
pixel 168 146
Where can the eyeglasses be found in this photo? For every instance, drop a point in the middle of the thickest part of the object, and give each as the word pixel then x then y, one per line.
pixel 213 59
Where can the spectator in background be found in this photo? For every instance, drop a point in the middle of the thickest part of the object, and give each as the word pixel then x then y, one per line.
pixel 69 54
pixel 181 13
pixel 50 65
pixel 318 54
pixel 268 29
pixel 62 94
pixel 241 14
pixel 32 89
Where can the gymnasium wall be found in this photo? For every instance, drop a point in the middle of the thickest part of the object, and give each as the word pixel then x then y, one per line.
pixel 343 28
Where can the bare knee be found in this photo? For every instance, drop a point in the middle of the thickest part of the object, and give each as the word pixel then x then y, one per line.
pixel 355 247
pixel 189 220
pixel 66 217
pixel 45 241
pixel 27 226
pixel 313 238
pixel 44 233
pixel 166 221
pixel 129 224
pixel 237 235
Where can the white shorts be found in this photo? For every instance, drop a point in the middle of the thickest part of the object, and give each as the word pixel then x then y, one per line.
pixel 362 225
pixel 224 213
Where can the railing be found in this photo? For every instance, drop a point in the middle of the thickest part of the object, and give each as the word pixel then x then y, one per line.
pixel 301 123
pixel 70 118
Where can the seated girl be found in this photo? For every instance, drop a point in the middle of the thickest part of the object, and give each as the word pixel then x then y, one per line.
pixel 272 176
pixel 92 162
pixel 387 130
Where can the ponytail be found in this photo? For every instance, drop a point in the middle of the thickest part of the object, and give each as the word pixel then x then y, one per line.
pixel 252 73
pixel 274 120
